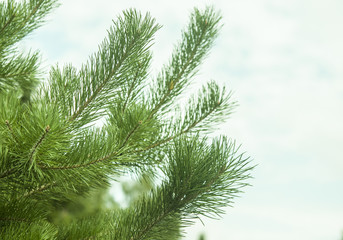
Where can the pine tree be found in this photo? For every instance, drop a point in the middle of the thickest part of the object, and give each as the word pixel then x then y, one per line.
pixel 52 154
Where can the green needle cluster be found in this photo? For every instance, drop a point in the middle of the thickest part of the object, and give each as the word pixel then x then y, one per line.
pixel 52 154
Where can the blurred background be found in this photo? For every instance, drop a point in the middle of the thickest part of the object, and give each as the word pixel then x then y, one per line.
pixel 284 62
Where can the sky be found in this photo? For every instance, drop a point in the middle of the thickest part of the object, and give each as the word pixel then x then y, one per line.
pixel 283 61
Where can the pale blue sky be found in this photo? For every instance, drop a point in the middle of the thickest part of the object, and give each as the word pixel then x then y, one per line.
pixel 283 60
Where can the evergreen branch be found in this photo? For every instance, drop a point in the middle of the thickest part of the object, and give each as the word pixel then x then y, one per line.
pixel 22 19
pixel 170 88
pixel 33 12
pixel 192 126
pixel 135 82
pixel 209 105
pixel 172 84
pixel 10 129
pixel 131 133
pixel 107 157
pixel 20 71
pixel 133 128
pixel 127 44
pixel 38 143
pixel 12 170
pixel 98 160
pixel 14 75
pixel 200 180
pixel 31 229
pixel 130 91
pixel 95 93
pixel 25 21
pixel 98 149
pixel 7 173
pixel 168 139
pixel 87 102
pixel 38 189
pixel 14 220
pixel 196 42
pixel 12 17
pixel 148 228
pixel 203 117
pixel 208 108
pixel 204 37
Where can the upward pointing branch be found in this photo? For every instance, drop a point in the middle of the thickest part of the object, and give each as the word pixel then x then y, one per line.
pixel 10 130
pixel 195 44
pixel 91 97
pixel 35 147
pixel 106 71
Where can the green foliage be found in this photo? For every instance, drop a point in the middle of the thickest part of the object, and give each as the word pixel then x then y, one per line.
pixel 56 166
pixel 18 20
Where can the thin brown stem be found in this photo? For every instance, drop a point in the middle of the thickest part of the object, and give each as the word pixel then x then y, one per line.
pixel 9 126
pixel 7 23
pixel 130 91
pixel 7 173
pixel 13 220
pixel 39 142
pixel 109 156
pixel 33 12
pixel 177 78
pixel 168 139
pixel 130 134
pixel 150 226
pixel 101 86
pixel 87 102
pixel 39 189
pixel 10 129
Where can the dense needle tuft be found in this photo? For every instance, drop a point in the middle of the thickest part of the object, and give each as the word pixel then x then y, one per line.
pixel 64 141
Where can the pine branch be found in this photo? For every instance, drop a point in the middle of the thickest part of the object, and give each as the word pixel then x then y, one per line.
pixel 24 21
pixel 206 24
pixel 208 107
pixel 18 20
pixel 20 72
pixel 148 228
pixel 187 56
pixel 102 159
pixel 7 173
pixel 96 92
pixel 172 83
pixel 38 143
pixel 31 14
pixel 14 220
pixel 44 171
pixel 201 179
pixel 96 86
pixel 12 17
pixel 96 140
pixel 130 91
pixel 39 189
pixel 185 131
pixel 10 130
pixel 130 134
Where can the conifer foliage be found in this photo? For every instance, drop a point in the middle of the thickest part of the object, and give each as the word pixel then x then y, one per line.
pixel 51 153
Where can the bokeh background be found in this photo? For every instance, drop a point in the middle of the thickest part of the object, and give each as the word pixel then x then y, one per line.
pixel 284 62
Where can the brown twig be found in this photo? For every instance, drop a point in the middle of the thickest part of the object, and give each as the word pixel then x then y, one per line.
pixel 35 147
